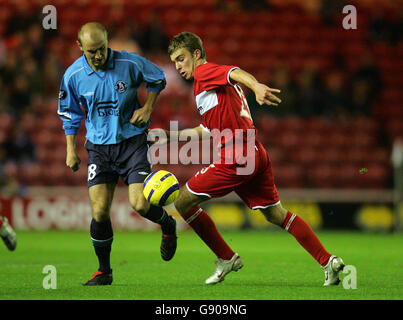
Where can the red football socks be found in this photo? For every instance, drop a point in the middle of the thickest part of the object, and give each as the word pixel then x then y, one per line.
pixel 206 229
pixel 306 237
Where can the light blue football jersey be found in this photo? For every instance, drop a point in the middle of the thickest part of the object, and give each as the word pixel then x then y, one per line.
pixel 108 97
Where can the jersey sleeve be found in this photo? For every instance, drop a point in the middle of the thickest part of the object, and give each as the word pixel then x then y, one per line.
pixel 69 110
pixel 212 76
pixel 153 75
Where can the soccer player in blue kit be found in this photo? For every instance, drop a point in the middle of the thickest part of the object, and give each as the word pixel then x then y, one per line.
pixel 105 82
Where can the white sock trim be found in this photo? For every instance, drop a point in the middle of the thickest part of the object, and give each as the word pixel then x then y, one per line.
pixel 194 215
pixel 289 222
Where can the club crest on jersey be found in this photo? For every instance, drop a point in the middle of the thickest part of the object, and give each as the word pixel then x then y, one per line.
pixel 120 86
pixel 62 94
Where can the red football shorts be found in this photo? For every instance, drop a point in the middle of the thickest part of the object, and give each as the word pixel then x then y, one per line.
pixel 257 190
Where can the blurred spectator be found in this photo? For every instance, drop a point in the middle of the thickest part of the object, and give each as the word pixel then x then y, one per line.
pixel 334 98
pixel 365 84
pixel 280 80
pixel 23 18
pixel 254 5
pixel 229 6
pixel 3 51
pixel 308 92
pixel 369 72
pixel 31 68
pixel 122 39
pixel 34 42
pixel 154 39
pixel 330 11
pixel 360 102
pixel 3 98
pixel 9 69
pixel 135 33
pixel 18 146
pixel 52 73
pixel 20 96
pixel 11 187
pixel 385 29
pixel 397 28
pixel 73 53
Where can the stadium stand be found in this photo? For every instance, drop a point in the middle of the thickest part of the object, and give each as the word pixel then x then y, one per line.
pixel 323 148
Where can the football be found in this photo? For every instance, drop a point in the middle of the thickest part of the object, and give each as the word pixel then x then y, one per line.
pixel 161 188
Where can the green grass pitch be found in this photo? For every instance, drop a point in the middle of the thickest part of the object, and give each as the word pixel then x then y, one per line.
pixel 276 267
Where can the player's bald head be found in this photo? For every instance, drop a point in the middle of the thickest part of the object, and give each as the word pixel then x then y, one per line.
pixel 92 32
pixel 93 41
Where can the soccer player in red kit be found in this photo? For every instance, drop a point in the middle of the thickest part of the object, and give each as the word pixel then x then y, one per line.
pixel 223 107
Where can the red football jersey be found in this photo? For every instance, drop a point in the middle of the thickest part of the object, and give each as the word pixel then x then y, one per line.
pixel 224 110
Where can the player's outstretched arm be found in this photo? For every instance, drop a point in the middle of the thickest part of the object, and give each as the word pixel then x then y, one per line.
pixel 192 132
pixel 264 94
pixel 72 159
pixel 160 136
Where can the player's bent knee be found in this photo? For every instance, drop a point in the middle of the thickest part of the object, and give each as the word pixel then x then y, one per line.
pixel 275 214
pixel 186 201
pixel 137 200
pixel 100 210
pixel 100 214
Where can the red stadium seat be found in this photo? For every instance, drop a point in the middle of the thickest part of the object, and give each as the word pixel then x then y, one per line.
pixel 51 122
pixel 338 139
pixel 394 129
pixel 276 155
pixel 380 156
pixel 288 140
pixel 306 156
pixel 289 176
pixel 331 155
pixel 365 125
pixel 313 139
pixel 29 175
pixel 376 177
pixel 43 138
pixel 323 176
pixel 362 140
pixel 294 124
pixel 346 176
pixel 316 124
pixel 356 156
pixel 79 178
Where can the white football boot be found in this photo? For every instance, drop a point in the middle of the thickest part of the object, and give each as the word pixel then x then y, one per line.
pixel 8 235
pixel 332 269
pixel 223 267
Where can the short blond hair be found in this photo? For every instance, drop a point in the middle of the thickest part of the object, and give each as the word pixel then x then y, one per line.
pixel 186 40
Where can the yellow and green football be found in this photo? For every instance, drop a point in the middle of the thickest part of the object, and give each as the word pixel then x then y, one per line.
pixel 161 188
